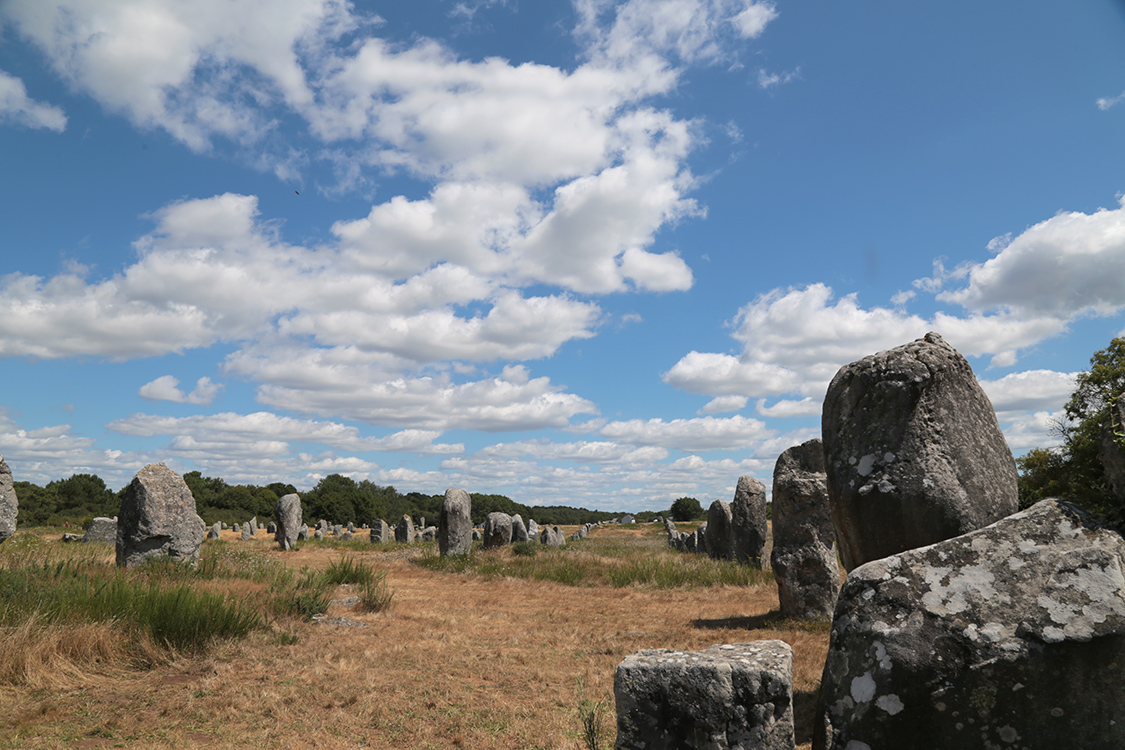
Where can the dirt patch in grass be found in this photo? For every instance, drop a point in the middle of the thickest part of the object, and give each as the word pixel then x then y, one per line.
pixel 458 661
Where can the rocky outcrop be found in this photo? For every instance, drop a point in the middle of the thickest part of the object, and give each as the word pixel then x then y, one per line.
pixel 804 544
pixel 748 519
pixel 9 504
pixel 158 519
pixel 289 520
pixel 455 524
pixel 497 530
pixel 913 452
pixel 720 531
pixel 736 696
pixel 1010 636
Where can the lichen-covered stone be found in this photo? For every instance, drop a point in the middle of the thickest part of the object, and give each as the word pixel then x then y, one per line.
pixel 731 696
pixel 804 544
pixel 497 530
pixel 748 521
pixel 720 531
pixel 455 523
pixel 532 530
pixel 552 536
pixel 1010 636
pixel 289 520
pixel 9 503
pixel 519 531
pixel 381 533
pixel 404 532
pixel 913 452
pixel 102 530
pixel 158 519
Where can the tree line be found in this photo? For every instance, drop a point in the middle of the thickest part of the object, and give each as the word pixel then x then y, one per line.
pixel 76 500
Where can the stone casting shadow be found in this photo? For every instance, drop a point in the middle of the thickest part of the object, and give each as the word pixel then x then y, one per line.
pixel 769 620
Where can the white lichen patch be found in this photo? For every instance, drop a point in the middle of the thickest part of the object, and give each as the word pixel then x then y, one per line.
pixel 890 703
pixel 863 688
pixel 972 582
pixel 866 464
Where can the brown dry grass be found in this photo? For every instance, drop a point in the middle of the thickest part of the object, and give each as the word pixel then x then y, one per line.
pixel 457 662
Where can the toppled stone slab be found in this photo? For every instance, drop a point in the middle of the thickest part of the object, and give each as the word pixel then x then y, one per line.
pixel 1011 636
pixel 731 696
pixel 158 519
pixel 913 452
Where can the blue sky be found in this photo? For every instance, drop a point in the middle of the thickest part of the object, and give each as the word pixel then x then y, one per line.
pixel 590 253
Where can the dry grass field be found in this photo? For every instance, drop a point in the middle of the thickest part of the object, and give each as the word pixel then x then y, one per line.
pixel 460 660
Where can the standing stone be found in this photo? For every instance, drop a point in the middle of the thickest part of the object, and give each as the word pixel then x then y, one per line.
pixel 804 543
pixel 214 533
pixel 532 530
pixel 322 524
pixel 519 531
pixel 731 697
pixel 913 452
pixel 237 528
pixel 552 536
pixel 9 504
pixel 246 532
pixel 1010 636
pixel 497 530
pixel 346 535
pixel 271 528
pixel 253 526
pixel 455 523
pixel 351 525
pixel 748 517
pixel 158 519
pixel 303 533
pixel 700 534
pixel 319 533
pixel 381 533
pixel 404 532
pixel 720 532
pixel 289 520
pixel 101 530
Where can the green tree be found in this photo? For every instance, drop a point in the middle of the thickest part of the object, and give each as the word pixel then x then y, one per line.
pixel 685 509
pixel 1073 471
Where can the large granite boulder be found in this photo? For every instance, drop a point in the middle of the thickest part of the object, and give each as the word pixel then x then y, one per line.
pixel 720 531
pixel 737 696
pixel 748 518
pixel 102 530
pixel 519 531
pixel 9 504
pixel 404 532
pixel 497 530
pixel 552 536
pixel 532 530
pixel 1010 636
pixel 913 452
pixel 158 519
pixel 455 523
pixel 804 543
pixel 289 520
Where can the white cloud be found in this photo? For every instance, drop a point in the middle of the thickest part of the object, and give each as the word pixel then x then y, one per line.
pixel 1033 390
pixel 165 388
pixel 1106 102
pixel 722 404
pixel 1032 430
pixel 18 108
pixel 1069 265
pixel 806 407
pixel 700 434
pixel 768 80
pixel 752 20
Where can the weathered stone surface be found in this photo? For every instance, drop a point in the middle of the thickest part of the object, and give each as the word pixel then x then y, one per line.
pixel 720 531
pixel 381 533
pixel 323 525
pixel 215 532
pixel 9 503
pixel 804 543
pixel 476 535
pixel 271 527
pixel 102 530
pixel 303 533
pixel 246 532
pixel 730 696
pixel 913 452
pixel 700 543
pixel 748 519
pixel 519 531
pixel 351 525
pixel 1010 636
pixel 253 524
pixel 289 520
pixel 428 534
pixel 497 530
pixel 552 536
pixel 627 519
pixel 404 532
pixel 158 519
pixel 237 528
pixel 455 523
pixel 69 538
pixel 346 535
pixel 532 530
pixel 319 533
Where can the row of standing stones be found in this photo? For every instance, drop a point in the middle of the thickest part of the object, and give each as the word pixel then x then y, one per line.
pixel 962 623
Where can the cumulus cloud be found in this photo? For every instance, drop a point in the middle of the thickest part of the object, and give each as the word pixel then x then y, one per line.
pixel 700 434
pixel 17 108
pixel 166 388
pixel 1032 390
pixel 721 404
